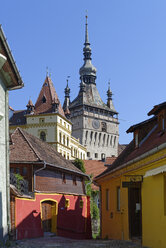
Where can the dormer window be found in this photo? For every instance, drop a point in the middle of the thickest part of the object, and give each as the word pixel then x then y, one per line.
pixel 136 140
pixel 44 99
pixel 161 123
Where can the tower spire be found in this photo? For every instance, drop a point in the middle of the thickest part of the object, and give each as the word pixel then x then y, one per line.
pixel 87 71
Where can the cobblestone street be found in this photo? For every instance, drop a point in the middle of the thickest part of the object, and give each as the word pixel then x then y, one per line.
pixel 53 242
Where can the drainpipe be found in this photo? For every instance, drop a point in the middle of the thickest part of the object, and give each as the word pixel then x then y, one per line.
pixel 7 163
pixel 34 186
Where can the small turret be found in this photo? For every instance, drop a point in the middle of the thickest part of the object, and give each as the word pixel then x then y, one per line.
pixel 30 107
pixel 67 100
pixel 55 105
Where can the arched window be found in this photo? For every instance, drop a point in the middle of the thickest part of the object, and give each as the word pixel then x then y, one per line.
pixel 114 141
pixel 43 136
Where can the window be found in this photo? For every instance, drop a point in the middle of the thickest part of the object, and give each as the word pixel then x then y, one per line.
pixel 68 156
pixel 136 140
pixel 11 170
pixel 67 141
pixel 96 155
pixel 41 120
pixel 43 136
pixel 118 198
pixel 24 171
pixel 114 141
pixel 88 154
pixel 74 180
pixel 107 199
pixel 60 137
pixel 17 170
pixel 64 139
pixel 67 203
pixel 63 178
pixel 104 126
pixel 44 99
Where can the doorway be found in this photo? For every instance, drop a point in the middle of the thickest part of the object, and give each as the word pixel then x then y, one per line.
pixel 49 216
pixel 135 213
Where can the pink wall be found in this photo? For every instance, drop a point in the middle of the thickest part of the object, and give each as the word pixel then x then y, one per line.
pixel 73 222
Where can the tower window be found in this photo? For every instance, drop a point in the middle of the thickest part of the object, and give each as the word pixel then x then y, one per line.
pixel 43 136
pixel 96 155
pixel 104 127
pixel 88 154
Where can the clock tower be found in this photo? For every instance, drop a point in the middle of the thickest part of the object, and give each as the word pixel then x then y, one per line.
pixel 94 122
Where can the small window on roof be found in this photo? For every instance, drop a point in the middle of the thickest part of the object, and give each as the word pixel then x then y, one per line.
pixel 44 99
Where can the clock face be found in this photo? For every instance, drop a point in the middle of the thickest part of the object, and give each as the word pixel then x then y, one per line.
pixel 96 124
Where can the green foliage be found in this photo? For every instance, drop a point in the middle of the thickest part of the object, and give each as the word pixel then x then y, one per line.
pixel 19 179
pixel 95 211
pixel 79 163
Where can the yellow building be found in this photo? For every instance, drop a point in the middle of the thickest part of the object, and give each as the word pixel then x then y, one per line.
pixel 47 121
pixel 133 188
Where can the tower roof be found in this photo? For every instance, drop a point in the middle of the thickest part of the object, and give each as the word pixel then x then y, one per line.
pixel 88 71
pixel 46 98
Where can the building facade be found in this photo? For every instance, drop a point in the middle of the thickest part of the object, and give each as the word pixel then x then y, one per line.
pixel 56 198
pixel 9 79
pixel 95 123
pixel 133 188
pixel 47 121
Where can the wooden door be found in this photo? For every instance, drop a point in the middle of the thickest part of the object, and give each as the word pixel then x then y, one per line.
pixel 49 216
pixel 135 214
pixel 46 216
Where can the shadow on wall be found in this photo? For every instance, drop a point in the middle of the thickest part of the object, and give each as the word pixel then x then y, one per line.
pixel 30 227
pixel 72 223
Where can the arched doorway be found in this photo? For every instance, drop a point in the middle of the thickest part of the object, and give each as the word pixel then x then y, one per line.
pixel 49 215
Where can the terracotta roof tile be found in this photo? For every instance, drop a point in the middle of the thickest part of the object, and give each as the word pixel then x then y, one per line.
pixel 153 140
pixel 96 167
pixel 28 148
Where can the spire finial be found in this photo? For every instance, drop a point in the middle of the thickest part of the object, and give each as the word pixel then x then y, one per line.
pixel 109 84
pixel 50 73
pixel 86 30
pixel 47 71
pixel 67 80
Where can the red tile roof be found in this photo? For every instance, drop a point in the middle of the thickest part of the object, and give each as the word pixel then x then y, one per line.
pixel 96 167
pixel 27 148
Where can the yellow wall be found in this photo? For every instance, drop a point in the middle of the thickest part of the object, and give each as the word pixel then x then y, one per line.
pixel 52 125
pixel 153 194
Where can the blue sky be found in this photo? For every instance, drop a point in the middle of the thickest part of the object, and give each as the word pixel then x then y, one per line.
pixel 128 41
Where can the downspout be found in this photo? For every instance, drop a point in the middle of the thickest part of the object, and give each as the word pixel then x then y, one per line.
pixel 7 163
pixel 34 185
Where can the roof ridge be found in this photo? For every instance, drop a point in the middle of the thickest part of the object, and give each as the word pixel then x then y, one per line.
pixel 22 132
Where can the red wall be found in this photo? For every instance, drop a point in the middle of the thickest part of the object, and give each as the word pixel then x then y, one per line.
pixel 73 222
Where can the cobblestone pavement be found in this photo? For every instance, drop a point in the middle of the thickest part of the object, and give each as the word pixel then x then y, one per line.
pixel 60 242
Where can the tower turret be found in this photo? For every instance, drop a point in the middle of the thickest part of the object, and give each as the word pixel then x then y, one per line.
pixel 67 101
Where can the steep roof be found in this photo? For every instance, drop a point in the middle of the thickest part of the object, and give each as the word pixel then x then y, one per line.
pixel 18 118
pixel 90 97
pixel 47 91
pixel 27 148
